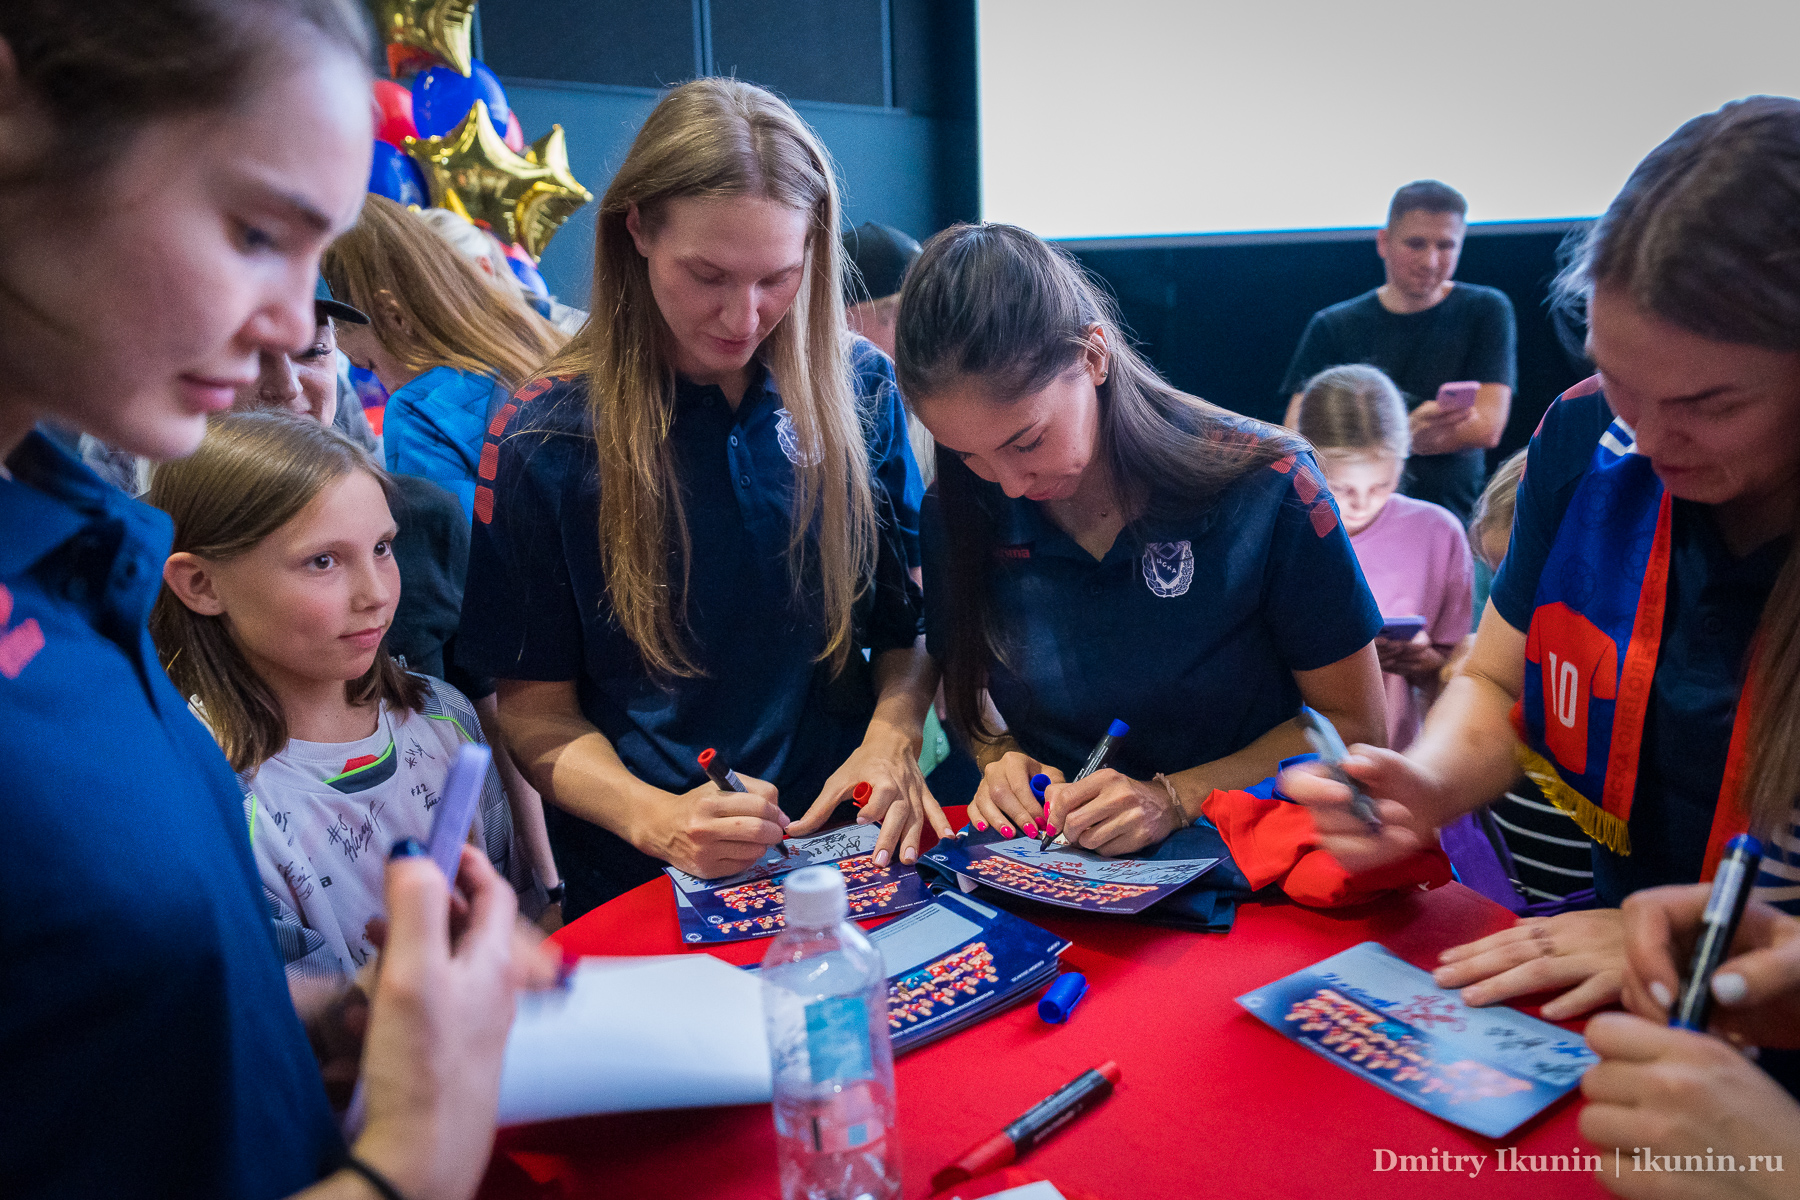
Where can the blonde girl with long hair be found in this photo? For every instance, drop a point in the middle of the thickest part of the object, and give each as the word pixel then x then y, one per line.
pixel 272 619
pixel 1413 553
pixel 692 529
pixel 443 340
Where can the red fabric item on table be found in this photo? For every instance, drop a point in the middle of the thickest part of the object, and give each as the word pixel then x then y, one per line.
pixel 1274 842
pixel 1212 1101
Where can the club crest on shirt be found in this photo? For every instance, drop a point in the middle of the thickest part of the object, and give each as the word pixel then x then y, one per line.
pixel 788 438
pixel 1169 568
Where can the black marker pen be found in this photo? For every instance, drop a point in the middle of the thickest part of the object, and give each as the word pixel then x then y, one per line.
pixel 1718 924
pixel 719 773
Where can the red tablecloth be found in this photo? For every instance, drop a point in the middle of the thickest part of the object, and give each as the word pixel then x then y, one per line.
pixel 1212 1101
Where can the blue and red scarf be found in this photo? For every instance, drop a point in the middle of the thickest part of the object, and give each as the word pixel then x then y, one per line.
pixel 1591 650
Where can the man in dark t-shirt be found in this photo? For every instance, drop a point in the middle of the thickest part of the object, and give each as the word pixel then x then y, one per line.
pixel 1425 330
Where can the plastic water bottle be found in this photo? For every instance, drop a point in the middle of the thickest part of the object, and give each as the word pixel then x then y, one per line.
pixel 825 1006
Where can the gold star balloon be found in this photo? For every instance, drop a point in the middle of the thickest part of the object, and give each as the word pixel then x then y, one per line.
pixel 422 33
pixel 523 198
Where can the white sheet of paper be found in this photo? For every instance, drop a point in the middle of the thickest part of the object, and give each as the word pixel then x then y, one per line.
pixel 631 1034
pixel 1043 1189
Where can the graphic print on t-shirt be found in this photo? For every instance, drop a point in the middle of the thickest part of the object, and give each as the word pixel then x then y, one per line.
pixel 1578 663
pixel 325 814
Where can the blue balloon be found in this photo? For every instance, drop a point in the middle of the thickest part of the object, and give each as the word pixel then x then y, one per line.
pixel 443 96
pixel 487 87
pixel 529 276
pixel 395 175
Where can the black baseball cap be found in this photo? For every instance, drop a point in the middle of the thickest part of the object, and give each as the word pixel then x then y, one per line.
pixel 324 306
pixel 881 254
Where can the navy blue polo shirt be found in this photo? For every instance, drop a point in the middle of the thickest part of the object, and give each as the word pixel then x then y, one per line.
pixel 148 1045
pixel 536 608
pixel 1714 603
pixel 1188 630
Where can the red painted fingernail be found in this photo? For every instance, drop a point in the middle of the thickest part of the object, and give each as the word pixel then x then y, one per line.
pixel 981 826
pixel 1031 828
pixel 1050 829
pixel 1006 830
pixel 860 795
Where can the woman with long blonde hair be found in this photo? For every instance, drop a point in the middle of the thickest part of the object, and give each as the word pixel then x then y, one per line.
pixel 445 343
pixel 692 529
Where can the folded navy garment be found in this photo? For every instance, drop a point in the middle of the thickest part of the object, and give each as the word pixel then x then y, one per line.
pixel 1209 903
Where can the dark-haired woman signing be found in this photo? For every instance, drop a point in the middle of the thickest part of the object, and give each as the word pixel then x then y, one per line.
pixel 1104 546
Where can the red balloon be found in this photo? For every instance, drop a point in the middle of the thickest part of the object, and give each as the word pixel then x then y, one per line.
pixel 393 113
pixel 515 134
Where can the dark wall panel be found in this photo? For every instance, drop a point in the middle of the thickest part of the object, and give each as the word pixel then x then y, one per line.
pixel 834 50
pixel 934 57
pixel 633 43
pixel 1222 321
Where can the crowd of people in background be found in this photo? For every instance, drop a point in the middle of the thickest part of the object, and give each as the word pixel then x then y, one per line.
pixel 698 515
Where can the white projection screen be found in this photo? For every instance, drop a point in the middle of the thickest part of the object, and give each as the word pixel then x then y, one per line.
pixel 1128 118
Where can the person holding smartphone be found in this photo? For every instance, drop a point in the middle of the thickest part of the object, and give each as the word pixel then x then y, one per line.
pixel 169 175
pixel 1434 337
pixel 1413 553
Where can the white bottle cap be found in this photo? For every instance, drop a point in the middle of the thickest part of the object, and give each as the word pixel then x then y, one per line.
pixel 815 898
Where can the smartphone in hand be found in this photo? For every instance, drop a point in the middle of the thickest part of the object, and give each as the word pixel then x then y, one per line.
pixel 1454 397
pixel 1401 629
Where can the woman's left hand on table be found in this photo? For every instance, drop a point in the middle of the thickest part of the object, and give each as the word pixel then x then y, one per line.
pixel 1110 813
pixel 888 761
pixel 1583 952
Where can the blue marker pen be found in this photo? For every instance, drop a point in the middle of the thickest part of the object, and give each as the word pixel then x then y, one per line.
pixel 1322 735
pixel 1718 924
pixel 1102 751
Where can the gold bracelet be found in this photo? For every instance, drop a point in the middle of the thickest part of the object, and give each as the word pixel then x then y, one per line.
pixel 1182 820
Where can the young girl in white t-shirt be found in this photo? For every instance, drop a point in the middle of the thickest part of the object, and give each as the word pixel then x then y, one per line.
pixel 272 615
pixel 1414 554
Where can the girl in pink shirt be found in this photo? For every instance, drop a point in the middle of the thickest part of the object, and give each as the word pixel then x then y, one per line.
pixel 1414 555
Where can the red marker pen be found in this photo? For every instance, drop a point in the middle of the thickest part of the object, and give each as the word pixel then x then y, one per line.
pixel 719 773
pixel 1039 1122
pixel 859 795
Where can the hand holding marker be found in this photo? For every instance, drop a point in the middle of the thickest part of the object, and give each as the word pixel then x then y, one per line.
pixel 449 830
pixel 1102 751
pixel 719 773
pixel 1718 925
pixel 1324 739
